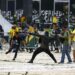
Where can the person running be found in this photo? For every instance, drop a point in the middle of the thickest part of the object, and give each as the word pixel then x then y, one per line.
pixel 12 32
pixel 15 43
pixel 44 46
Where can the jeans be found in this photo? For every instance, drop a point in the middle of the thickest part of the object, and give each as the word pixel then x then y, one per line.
pixel 66 52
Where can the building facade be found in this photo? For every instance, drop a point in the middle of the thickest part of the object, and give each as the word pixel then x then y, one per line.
pixel 28 5
pixel 13 5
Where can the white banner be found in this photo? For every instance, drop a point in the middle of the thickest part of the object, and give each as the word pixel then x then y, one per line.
pixel 5 24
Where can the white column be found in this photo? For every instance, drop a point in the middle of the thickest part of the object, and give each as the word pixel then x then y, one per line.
pixel 54 7
pixel 68 12
pixel 15 6
pixel 39 7
pixel 6 5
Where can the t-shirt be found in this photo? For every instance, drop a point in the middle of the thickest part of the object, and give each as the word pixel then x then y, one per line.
pixel 55 19
pixel 16 40
pixel 12 32
pixel 66 38
pixel 31 29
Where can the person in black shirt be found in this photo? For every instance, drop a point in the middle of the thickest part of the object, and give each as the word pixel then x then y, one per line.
pixel 44 46
pixel 15 43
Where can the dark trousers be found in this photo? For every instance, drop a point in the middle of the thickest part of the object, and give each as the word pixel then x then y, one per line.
pixel 16 50
pixel 46 50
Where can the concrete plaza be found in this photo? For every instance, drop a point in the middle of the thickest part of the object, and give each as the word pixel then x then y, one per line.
pixel 42 65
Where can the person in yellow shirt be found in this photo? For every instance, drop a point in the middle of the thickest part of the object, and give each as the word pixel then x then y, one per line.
pixel 55 19
pixel 73 43
pixel 30 29
pixel 30 38
pixel 23 18
pixel 12 32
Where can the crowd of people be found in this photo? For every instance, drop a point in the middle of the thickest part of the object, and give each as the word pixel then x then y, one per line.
pixel 55 37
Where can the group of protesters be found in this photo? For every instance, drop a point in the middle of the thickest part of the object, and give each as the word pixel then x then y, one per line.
pixel 49 38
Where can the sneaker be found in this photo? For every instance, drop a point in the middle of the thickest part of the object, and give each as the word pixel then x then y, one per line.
pixel 69 62
pixel 30 62
pixel 61 63
pixel 6 53
pixel 13 59
pixel 56 51
pixel 55 61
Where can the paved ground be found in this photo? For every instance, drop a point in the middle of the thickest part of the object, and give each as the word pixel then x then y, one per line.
pixel 43 64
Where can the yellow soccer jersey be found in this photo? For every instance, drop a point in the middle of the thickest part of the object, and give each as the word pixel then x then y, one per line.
pixel 31 29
